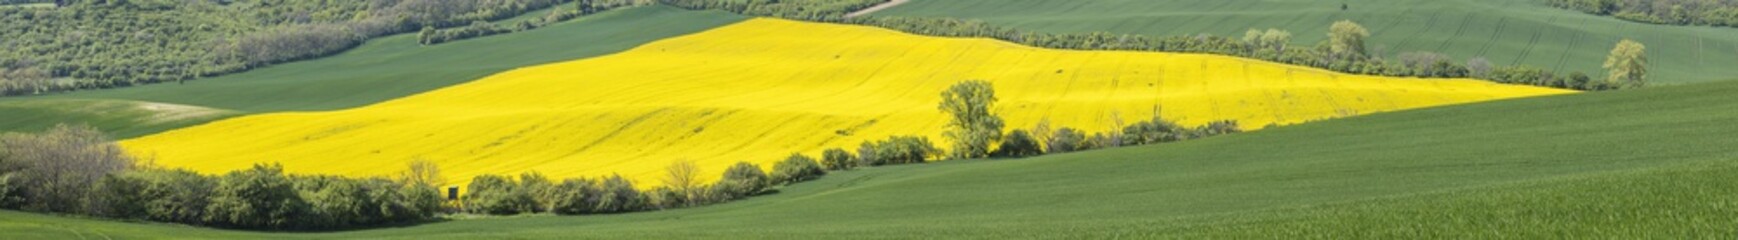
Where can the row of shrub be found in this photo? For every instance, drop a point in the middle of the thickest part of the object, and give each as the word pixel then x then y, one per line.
pixel 75 170
pixel 535 193
pixel 431 35
pixel 1271 45
pixel 1675 12
pixel 968 101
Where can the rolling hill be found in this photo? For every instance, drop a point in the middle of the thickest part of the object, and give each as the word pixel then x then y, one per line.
pixel 1626 164
pixel 1503 31
pixel 384 68
pixel 759 90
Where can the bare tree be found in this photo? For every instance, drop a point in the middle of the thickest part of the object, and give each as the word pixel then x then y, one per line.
pixel 684 177
pixel 423 172
pixel 55 169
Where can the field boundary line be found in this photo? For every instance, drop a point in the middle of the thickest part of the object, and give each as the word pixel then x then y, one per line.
pixel 876 8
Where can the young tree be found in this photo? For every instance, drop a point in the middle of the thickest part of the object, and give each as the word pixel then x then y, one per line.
pixel 838 159
pixel 423 173
pixel 498 195
pixel 1018 144
pixel 742 180
pixel 1346 39
pixel 1042 133
pixel 684 177
pixel 1276 39
pixel 261 197
pixel 616 194
pixel 972 126
pixel 796 168
pixel 1627 64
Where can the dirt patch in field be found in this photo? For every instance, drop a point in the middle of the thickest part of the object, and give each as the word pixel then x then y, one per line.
pixel 876 8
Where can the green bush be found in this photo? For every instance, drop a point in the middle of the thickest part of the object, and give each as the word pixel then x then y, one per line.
pixel 570 197
pixel 838 159
pixel 542 191
pixel 497 195
pixel 740 181
pixel 257 198
pixel 616 195
pixel 1066 140
pixel 897 150
pixel 1018 144
pixel 172 195
pixel 796 168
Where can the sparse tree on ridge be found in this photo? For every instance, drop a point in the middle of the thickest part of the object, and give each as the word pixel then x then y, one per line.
pixel 1346 39
pixel 1627 64
pixel 972 126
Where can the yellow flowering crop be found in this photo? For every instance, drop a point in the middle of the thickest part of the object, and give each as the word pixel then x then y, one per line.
pixel 759 90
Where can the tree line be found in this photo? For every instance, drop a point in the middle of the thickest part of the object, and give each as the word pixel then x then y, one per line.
pixel 89 44
pixel 1722 13
pixel 77 170
pixel 431 35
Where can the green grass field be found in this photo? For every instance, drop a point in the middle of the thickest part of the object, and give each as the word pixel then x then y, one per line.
pixel 382 69
pixel 1628 164
pixel 1504 31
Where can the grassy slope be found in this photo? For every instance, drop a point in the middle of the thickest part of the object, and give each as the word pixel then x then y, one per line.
pixel 384 68
pixel 1505 31
pixel 1630 164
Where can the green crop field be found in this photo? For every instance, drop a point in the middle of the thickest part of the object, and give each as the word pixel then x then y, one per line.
pixel 1503 31
pixel 1627 164
pixel 384 68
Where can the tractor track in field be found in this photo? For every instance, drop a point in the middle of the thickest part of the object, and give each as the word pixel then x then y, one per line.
pixel 1457 33
pixel 1532 43
pixel 1498 33
pixel 1574 39
pixel 1428 25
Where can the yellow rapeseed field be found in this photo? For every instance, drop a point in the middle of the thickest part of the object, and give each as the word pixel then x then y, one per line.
pixel 759 90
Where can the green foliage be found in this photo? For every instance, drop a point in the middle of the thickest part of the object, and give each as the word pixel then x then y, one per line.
pixel 542 190
pixel 1346 39
pixel 1627 64
pixel 103 44
pixel 1067 140
pixel 257 198
pixel 897 150
pixel 838 159
pixel 498 195
pixel 1019 143
pixel 570 197
pixel 796 168
pixel 618 195
pixel 741 180
pixel 1674 12
pixel 972 125
pixel 431 36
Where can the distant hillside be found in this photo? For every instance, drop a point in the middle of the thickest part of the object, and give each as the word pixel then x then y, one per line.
pixel 382 69
pixel 1503 31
